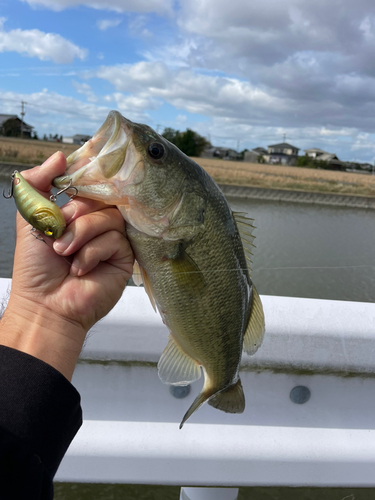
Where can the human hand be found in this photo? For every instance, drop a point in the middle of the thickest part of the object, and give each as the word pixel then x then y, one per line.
pixel 53 303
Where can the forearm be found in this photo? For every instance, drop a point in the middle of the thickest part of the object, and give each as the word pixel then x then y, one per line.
pixel 40 332
pixel 40 414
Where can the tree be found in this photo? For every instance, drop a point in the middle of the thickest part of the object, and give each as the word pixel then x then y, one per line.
pixel 308 162
pixel 170 134
pixel 190 143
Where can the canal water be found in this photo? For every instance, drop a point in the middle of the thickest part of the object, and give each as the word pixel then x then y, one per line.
pixel 301 251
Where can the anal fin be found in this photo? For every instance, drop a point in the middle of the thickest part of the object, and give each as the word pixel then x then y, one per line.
pixel 176 367
pixel 254 333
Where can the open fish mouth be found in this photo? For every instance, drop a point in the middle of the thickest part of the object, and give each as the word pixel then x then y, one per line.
pixel 99 159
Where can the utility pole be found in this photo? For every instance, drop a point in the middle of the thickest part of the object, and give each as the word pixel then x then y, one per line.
pixel 284 137
pixel 157 128
pixel 22 116
pixel 238 146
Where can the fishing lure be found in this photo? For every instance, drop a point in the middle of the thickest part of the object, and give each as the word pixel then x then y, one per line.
pixel 43 214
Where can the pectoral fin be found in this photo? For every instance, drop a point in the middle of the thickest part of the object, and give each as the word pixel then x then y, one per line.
pixel 186 271
pixel 256 327
pixel 137 275
pixel 176 367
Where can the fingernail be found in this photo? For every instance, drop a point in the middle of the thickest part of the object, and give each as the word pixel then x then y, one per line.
pixel 50 159
pixel 74 268
pixel 62 243
pixel 69 210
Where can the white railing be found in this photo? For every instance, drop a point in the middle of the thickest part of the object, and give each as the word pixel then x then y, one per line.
pixel 131 435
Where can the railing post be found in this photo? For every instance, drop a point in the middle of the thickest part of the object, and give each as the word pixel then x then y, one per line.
pixel 209 494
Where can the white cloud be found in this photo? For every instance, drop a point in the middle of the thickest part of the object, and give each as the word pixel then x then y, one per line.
pixel 196 93
pixel 85 89
pixel 57 113
pixel 134 107
pixel 158 6
pixel 104 24
pixel 35 43
pixel 335 132
pixel 63 114
pixel 136 77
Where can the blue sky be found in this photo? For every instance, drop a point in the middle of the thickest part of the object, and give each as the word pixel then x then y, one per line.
pixel 240 73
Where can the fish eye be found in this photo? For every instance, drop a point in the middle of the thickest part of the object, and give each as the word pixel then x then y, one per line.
pixel 156 150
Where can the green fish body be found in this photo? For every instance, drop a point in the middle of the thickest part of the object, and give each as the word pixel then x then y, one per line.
pixel 192 254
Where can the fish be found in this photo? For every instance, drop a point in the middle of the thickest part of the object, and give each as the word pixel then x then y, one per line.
pixel 43 214
pixel 192 254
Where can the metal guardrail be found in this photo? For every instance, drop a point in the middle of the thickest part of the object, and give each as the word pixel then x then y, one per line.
pixel 310 394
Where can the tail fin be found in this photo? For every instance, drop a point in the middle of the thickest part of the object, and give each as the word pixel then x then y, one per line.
pixel 197 403
pixel 230 400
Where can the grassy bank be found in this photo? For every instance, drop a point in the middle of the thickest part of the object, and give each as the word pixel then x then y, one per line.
pixel 30 152
pixel 293 178
pixel 236 173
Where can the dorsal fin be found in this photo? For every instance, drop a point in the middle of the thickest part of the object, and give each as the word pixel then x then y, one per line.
pixel 175 367
pixel 254 333
pixel 245 228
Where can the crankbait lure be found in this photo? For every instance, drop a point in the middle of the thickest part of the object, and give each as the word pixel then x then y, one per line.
pixel 43 214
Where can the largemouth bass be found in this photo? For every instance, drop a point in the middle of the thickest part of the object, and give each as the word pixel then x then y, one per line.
pixel 191 252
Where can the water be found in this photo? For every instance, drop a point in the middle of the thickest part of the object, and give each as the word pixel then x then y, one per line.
pixel 301 250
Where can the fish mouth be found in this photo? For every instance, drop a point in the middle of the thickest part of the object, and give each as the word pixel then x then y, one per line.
pixel 90 169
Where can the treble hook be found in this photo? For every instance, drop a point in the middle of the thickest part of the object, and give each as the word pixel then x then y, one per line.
pixel 53 197
pixel 10 193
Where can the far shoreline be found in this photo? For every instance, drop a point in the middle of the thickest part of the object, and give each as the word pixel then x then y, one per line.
pixel 247 191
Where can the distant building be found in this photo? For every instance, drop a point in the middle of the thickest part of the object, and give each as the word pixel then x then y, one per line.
pixel 12 126
pixel 255 155
pixel 223 153
pixel 282 153
pixel 330 158
pixel 77 139
pixel 314 152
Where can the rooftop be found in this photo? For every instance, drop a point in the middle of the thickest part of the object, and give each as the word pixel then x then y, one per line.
pixel 283 145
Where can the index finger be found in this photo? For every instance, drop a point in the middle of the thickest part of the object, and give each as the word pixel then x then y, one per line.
pixel 41 177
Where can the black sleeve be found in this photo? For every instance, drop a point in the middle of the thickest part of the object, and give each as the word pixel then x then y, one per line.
pixel 40 414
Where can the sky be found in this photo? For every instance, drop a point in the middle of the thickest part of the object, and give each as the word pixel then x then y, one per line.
pixel 241 73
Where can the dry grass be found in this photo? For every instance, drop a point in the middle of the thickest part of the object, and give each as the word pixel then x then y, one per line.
pixel 31 152
pixel 236 173
pixel 293 178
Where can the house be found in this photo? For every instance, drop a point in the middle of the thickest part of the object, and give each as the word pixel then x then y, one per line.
pixel 223 153
pixel 330 158
pixel 359 168
pixel 314 152
pixel 12 126
pixel 256 155
pixel 76 139
pixel 282 153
